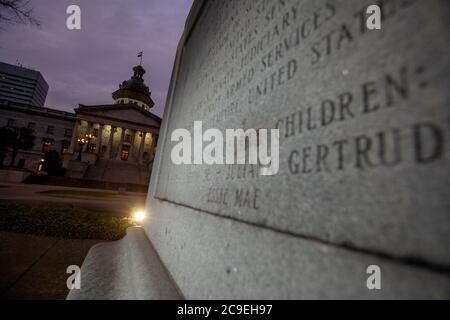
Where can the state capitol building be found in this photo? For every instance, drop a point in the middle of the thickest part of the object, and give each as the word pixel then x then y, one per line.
pixel 112 144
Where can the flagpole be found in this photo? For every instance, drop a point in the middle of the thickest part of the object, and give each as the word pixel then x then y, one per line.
pixel 140 55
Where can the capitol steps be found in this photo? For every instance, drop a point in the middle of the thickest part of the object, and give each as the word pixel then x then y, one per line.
pixel 117 171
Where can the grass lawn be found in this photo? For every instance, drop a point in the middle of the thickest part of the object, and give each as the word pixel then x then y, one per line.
pixel 64 221
pixel 90 195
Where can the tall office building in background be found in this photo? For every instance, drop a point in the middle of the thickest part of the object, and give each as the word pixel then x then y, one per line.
pixel 22 85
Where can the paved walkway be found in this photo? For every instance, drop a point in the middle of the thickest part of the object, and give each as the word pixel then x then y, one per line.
pixel 30 192
pixel 34 267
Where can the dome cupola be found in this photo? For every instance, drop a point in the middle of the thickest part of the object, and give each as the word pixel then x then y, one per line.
pixel 134 91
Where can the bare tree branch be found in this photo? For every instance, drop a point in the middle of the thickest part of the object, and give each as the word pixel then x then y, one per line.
pixel 17 11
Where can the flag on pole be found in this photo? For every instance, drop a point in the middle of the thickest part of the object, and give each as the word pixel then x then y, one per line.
pixel 140 54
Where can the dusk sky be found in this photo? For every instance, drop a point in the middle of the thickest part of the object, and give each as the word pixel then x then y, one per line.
pixel 85 66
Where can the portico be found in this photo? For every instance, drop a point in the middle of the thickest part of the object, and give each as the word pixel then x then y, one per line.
pixel 112 138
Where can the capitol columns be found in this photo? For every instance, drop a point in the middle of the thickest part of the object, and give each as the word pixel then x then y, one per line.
pixel 75 134
pixel 153 147
pixel 108 153
pixel 141 148
pixel 99 139
pixel 122 139
pixel 133 136
pixel 90 127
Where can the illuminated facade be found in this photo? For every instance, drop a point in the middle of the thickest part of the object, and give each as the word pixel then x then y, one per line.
pixel 115 142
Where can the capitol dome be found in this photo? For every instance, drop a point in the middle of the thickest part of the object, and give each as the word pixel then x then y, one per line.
pixel 134 91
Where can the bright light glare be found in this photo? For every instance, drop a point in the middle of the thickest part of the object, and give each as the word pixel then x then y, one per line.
pixel 139 216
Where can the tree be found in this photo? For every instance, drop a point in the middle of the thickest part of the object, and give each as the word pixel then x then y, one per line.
pixel 7 136
pixel 23 140
pixel 17 11
pixel 53 164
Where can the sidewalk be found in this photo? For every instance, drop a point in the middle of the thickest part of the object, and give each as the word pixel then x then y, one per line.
pixel 34 267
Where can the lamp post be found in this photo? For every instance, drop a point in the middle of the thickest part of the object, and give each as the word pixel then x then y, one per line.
pixel 82 142
pixel 88 139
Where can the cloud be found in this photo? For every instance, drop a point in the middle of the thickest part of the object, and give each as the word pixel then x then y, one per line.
pixel 86 66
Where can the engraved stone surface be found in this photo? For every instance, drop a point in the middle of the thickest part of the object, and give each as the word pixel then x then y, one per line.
pixel 363 115
pixel 214 258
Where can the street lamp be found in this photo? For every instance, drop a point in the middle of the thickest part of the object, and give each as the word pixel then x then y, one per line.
pixel 139 216
pixel 89 137
pixel 83 141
